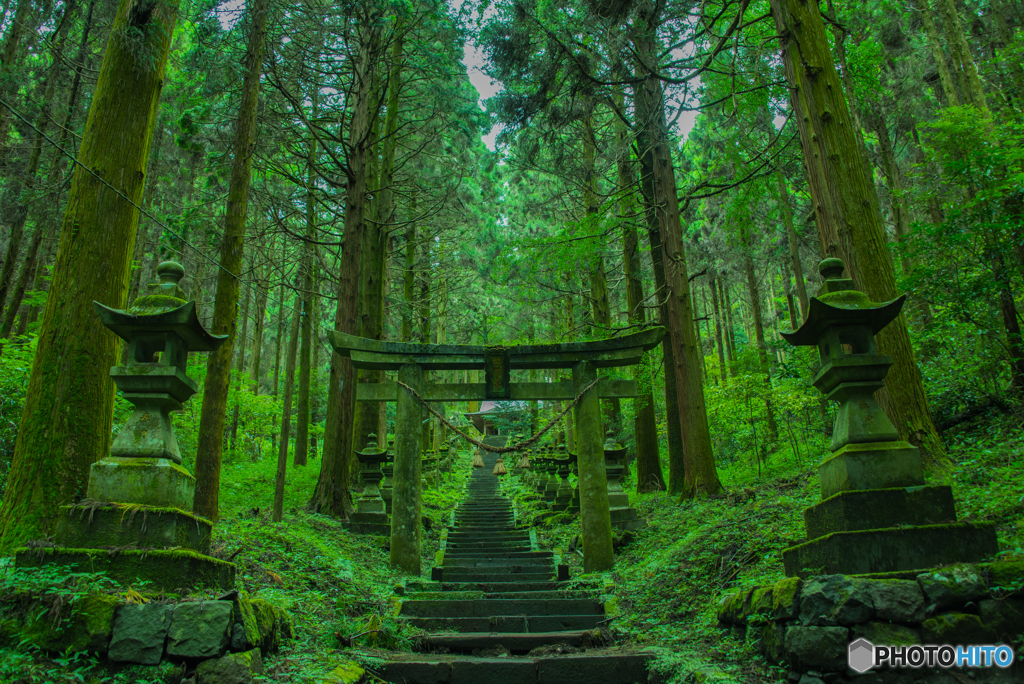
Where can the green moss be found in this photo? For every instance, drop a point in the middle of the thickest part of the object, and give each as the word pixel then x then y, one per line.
pixel 848 299
pixel 348 672
pixel 1007 576
pixel 784 598
pixel 247 616
pixel 761 601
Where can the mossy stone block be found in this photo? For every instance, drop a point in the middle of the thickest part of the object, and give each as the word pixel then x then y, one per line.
pixel 956 628
pixel 879 508
pixel 952 587
pixel 892 549
pixel 897 600
pixel 87 629
pixel 234 668
pixel 245 615
pixel 273 623
pixel 1007 577
pixel 786 598
pixel 139 633
pixel 877 465
pixel 886 633
pixel 1004 617
pixel 113 525
pixel 151 481
pixel 761 601
pixel 831 600
pixel 200 629
pixel 168 570
pixel 348 672
pixel 773 642
pixel 731 608
pixel 817 648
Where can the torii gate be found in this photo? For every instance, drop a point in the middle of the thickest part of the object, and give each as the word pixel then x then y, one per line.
pixel 411 360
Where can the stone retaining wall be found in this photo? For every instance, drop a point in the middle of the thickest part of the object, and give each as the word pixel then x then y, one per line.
pixel 806 625
pixel 223 640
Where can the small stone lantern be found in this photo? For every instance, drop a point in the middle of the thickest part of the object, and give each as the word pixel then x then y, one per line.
pixel 876 513
pixel 371 512
pixel 623 516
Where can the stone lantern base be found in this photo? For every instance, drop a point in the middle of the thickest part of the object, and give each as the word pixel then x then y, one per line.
pixel 136 525
pixel 625 519
pixel 877 515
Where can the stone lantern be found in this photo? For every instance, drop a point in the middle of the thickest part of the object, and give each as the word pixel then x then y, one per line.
pixel 388 469
pixel 563 495
pixel 371 515
pixel 876 513
pixel 574 502
pixel 160 540
pixel 623 516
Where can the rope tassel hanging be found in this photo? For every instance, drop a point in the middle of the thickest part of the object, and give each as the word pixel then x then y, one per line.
pixel 478 462
pixel 499 467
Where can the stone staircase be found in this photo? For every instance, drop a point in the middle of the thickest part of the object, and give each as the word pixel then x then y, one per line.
pixel 497 600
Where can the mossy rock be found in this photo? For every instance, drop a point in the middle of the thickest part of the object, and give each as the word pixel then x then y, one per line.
pixel 886 633
pixel 348 672
pixel 956 628
pixel 786 598
pixel 234 668
pixel 761 601
pixel 87 629
pixel 1006 577
pixel 731 608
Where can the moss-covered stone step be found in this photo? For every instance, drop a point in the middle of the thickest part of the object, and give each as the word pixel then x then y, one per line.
pixel 170 570
pixel 489 607
pixel 892 549
pixel 880 508
pixel 508 623
pixel 502 587
pixel 516 642
pixel 487 562
pixel 607 668
pixel 476 553
pixel 120 525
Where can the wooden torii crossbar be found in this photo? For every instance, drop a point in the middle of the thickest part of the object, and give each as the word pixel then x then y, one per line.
pixel 583 358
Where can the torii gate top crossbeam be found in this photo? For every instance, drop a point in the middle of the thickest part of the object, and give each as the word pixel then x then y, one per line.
pixel 383 355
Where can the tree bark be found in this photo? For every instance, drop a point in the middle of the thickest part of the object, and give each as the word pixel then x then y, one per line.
pixel 309 287
pixel 701 477
pixel 240 365
pixel 730 336
pixel 331 495
pixel 225 307
pixel 846 205
pixel 723 372
pixel 66 420
pixel 794 244
pixel 934 42
pixel 261 316
pixel 962 59
pixel 762 353
pixel 286 410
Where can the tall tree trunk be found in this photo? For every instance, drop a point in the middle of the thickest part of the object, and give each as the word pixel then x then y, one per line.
pixel 701 477
pixel 962 59
pixel 762 354
pixel 331 495
pixel 730 335
pixel 425 268
pixel 846 206
pixel 723 371
pixel 66 419
pixel 794 244
pixel 257 337
pixel 674 433
pixel 225 307
pixel 10 56
pixel 309 287
pixel 286 410
pixel 648 460
pixel 935 44
pixel 240 365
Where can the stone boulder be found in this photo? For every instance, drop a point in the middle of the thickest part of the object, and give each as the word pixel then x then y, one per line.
pixel 817 648
pixel 831 600
pixel 234 668
pixel 139 633
pixel 952 587
pixel 200 629
pixel 897 600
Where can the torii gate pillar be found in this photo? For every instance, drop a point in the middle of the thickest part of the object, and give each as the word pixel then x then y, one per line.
pixel 407 499
pixel 595 517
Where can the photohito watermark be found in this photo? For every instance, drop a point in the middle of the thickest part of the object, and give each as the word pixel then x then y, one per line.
pixel 862 655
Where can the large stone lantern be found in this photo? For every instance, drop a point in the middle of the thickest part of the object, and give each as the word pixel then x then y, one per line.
pixel 139 497
pixel 876 513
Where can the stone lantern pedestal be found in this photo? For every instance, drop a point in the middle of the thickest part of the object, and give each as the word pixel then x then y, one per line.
pixel 136 521
pixel 371 515
pixel 388 469
pixel 623 516
pixel 876 512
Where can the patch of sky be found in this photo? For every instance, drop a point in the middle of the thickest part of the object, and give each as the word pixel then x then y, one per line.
pixel 229 13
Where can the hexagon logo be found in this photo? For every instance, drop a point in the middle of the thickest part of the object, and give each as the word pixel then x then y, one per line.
pixel 860 656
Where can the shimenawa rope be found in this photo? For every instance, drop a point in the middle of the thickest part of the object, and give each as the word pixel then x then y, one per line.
pixel 499 449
